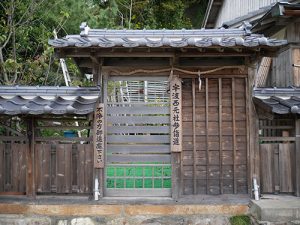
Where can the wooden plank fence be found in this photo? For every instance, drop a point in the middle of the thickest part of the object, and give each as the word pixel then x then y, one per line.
pixel 214 159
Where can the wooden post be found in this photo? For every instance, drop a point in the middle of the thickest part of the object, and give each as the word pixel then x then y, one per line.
pixel 253 156
pixel 194 137
pixel 176 134
pixel 297 158
pixel 30 176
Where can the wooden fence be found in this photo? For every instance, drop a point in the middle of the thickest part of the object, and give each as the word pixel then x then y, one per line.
pixel 214 159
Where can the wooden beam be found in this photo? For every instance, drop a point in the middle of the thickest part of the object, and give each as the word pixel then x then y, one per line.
pixel 206 140
pixel 176 174
pixel 253 154
pixel 233 135
pixel 30 159
pixel 297 158
pixel 194 137
pixel 263 71
pixel 220 136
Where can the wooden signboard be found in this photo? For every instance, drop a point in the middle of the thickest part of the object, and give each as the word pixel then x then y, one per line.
pixel 98 137
pixel 176 115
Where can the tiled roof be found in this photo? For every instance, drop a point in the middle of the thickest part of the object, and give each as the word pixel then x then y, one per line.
pixel 204 38
pixel 278 100
pixel 16 100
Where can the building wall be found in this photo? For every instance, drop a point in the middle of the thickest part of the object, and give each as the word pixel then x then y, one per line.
pixel 232 9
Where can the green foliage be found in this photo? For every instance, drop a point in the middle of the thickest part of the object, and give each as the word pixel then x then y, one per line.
pixel 240 220
pixel 27 25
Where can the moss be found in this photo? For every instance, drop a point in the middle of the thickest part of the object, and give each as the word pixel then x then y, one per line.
pixel 240 220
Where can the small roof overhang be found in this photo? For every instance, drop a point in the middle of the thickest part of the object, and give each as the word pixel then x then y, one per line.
pixel 280 101
pixel 29 100
pixel 276 18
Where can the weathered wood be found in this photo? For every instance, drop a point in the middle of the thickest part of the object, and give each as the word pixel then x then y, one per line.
pixel 220 135
pixel 2 166
pixel 297 158
pixel 62 139
pixel 125 149
pixel 63 168
pixel 194 136
pixel 176 176
pixel 138 129
pixel 296 69
pixel 267 167
pixel 135 158
pixel 277 139
pixel 176 114
pixel 43 167
pixel 98 136
pixel 285 167
pixel 138 119
pixel 234 135
pixel 206 139
pixel 154 139
pixel 263 72
pixel 252 129
pixel 30 158
pixel 138 109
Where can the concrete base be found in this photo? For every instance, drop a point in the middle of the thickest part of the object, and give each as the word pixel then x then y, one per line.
pixel 276 208
pixel 198 210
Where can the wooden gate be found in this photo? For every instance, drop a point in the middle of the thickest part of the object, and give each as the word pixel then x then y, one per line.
pixel 138 142
pixel 277 167
pixel 214 136
pixel 64 168
pixel 13 166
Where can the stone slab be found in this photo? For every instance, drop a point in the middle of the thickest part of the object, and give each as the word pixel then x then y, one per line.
pixel 276 208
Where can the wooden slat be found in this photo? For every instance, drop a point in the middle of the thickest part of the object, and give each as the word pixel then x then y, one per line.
pixel 2 166
pixel 206 139
pixel 267 167
pixel 263 71
pixel 220 135
pixel 14 138
pixel 296 61
pixel 43 167
pixel 194 136
pixel 81 175
pixel 64 127
pixel 138 109
pixel 138 129
pixel 63 139
pixel 138 119
pixel 63 168
pixel 15 168
pixel 125 149
pixel 138 78
pixel 277 138
pixel 138 139
pixel 285 167
pixel 297 158
pixel 134 158
pixel 233 135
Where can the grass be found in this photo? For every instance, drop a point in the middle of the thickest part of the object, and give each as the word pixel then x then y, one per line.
pixel 240 220
pixel 138 177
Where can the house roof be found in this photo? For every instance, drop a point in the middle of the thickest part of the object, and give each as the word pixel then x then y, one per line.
pixel 278 100
pixel 29 100
pixel 211 13
pixel 276 18
pixel 210 38
pixel 250 17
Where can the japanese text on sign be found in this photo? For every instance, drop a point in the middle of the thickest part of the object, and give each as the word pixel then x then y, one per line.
pixel 176 120
pixel 99 137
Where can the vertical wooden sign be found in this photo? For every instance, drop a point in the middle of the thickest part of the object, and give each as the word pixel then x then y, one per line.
pixel 98 136
pixel 176 114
